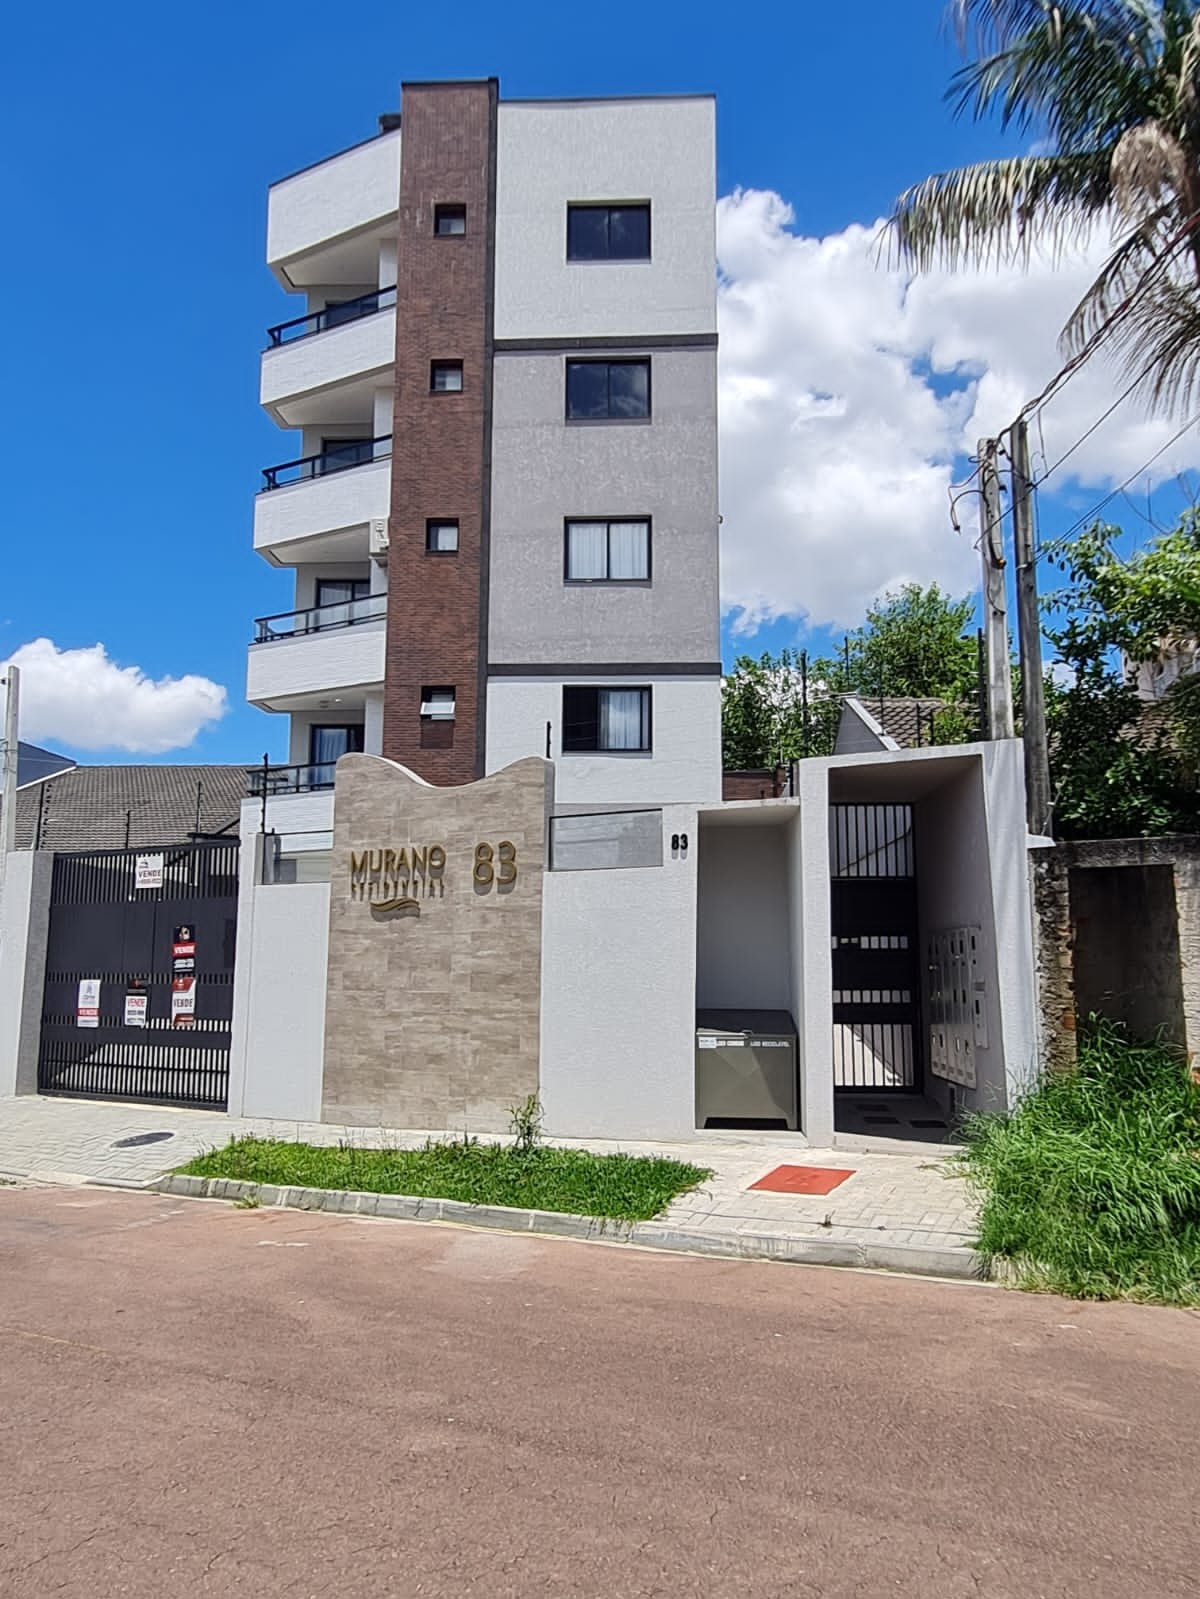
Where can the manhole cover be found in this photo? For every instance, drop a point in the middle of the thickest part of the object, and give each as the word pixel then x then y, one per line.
pixel 142 1138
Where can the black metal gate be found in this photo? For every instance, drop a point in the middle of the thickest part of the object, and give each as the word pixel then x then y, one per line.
pixel 146 1034
pixel 876 968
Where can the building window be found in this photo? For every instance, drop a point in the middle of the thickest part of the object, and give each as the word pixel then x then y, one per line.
pixel 615 391
pixel 445 377
pixel 609 232
pixel 336 454
pixel 605 719
pixel 449 220
pixel 608 552
pixel 341 590
pixel 326 745
pixel 441 538
pixel 438 704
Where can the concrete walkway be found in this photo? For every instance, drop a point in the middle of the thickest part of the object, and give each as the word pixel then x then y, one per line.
pixel 898 1202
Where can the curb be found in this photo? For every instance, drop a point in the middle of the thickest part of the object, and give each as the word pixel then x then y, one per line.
pixel 915 1259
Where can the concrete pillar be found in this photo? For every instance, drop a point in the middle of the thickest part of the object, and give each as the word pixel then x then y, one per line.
pixel 373 723
pixel 812 958
pixel 24 930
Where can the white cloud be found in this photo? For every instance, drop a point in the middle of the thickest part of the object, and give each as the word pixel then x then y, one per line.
pixel 848 392
pixel 82 698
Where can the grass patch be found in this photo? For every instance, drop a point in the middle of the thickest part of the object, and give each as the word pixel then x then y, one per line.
pixel 1091 1187
pixel 617 1187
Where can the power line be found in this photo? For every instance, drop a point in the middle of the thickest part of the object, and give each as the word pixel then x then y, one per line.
pixel 1063 538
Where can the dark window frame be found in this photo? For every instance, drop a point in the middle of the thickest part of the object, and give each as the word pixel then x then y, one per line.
pixel 608 207
pixel 609 582
pixel 597 689
pixel 450 210
pixel 449 364
pixel 321 582
pixel 349 728
pixel 442 521
pixel 609 362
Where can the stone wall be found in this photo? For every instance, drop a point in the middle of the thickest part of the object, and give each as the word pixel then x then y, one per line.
pixel 432 1012
pixel 1164 945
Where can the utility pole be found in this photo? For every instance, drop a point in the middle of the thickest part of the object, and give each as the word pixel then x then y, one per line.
pixel 8 766
pixel 1029 633
pixel 995 595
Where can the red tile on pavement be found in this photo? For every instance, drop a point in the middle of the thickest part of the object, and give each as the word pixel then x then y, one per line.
pixel 802 1179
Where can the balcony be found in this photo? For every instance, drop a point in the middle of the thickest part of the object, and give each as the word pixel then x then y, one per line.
pixel 301 660
pixel 328 376
pixel 276 781
pixel 331 316
pixel 324 223
pixel 320 618
pixel 319 508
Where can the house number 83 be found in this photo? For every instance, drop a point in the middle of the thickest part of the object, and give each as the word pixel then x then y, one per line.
pixel 495 865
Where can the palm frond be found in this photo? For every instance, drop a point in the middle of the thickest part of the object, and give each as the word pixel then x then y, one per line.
pixel 1080 84
pixel 998 210
pixel 992 25
pixel 1160 337
pixel 1132 265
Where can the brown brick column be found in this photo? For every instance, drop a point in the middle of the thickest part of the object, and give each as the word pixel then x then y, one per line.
pixel 441 443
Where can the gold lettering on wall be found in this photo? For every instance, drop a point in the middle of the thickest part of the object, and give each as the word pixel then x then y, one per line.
pixel 395 877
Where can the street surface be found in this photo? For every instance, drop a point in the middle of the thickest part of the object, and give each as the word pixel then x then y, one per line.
pixel 197 1400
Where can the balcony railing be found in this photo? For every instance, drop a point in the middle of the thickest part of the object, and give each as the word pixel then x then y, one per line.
pixel 275 780
pixel 319 618
pixel 333 316
pixel 338 458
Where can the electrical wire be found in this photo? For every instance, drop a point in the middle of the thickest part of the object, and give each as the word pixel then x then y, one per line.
pixel 1049 550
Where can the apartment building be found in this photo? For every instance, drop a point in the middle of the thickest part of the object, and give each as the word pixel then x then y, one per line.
pixel 499 509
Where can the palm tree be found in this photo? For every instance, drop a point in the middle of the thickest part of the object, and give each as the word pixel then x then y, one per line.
pixel 1110 91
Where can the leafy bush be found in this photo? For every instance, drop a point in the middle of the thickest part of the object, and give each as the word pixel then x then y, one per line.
pixel 1091 1186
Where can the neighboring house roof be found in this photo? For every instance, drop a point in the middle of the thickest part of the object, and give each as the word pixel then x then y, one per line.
pixel 34 763
pixel 86 807
pixel 887 723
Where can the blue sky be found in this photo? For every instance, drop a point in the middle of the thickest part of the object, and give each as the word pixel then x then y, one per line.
pixel 141 142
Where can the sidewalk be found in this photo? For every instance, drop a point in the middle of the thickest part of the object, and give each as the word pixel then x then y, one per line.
pixel 901 1210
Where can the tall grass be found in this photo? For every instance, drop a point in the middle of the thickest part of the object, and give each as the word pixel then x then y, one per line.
pixel 1091 1186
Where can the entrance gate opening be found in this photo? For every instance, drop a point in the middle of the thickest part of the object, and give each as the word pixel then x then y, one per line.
pixel 171 1044
pixel 876 1001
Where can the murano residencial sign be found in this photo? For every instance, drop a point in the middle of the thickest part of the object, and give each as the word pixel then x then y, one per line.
pixel 397 879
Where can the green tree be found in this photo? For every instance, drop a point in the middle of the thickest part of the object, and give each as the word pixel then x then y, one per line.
pixel 1115 769
pixel 770 715
pixel 1110 91
pixel 915 643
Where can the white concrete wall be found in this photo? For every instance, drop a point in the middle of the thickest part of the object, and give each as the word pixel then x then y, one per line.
pixel 551 153
pixel 743 930
pixel 323 505
pixel 315 663
pixel 350 350
pixel 24 929
pixel 287 938
pixel 1004 797
pixel 683 767
pixel 619 996
pixel 812 958
pixel 338 196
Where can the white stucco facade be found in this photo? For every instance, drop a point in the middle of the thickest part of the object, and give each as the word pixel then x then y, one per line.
pixel 683 765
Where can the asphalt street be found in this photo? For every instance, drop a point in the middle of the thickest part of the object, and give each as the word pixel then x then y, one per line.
pixel 198 1400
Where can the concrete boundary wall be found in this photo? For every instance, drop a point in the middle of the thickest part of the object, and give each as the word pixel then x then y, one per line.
pixel 24 930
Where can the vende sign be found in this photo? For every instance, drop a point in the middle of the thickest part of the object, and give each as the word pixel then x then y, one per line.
pixel 87 1006
pixel 148 872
